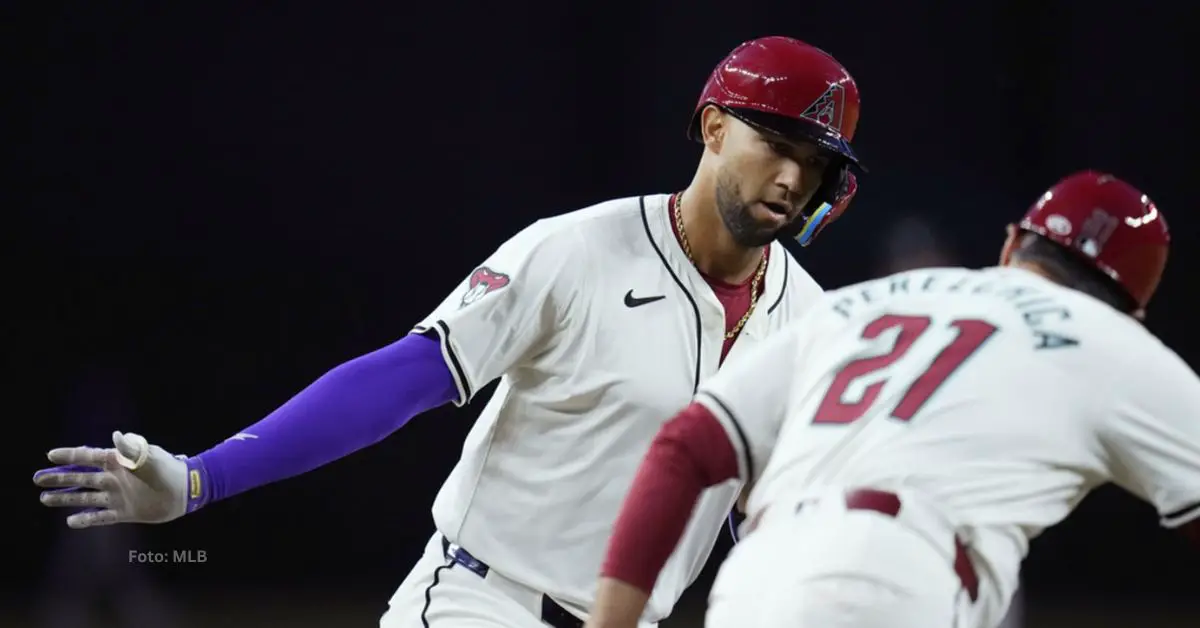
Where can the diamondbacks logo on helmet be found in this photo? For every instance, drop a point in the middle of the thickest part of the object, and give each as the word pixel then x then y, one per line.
pixel 827 110
pixel 482 281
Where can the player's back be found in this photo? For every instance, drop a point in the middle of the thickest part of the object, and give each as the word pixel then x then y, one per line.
pixel 988 391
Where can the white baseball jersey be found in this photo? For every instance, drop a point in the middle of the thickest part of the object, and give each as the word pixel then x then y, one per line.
pixel 600 329
pixel 1003 397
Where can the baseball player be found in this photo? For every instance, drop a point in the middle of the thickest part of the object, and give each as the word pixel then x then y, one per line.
pixel 910 436
pixel 598 323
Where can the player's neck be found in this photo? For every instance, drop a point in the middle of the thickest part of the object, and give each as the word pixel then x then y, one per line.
pixel 714 250
pixel 1035 269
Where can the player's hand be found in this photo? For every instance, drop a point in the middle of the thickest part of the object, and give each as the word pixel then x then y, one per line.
pixel 135 482
pixel 618 605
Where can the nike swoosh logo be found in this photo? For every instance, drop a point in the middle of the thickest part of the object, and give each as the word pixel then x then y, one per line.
pixel 632 301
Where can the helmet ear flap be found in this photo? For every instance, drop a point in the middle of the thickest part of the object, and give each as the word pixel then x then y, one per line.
pixel 828 203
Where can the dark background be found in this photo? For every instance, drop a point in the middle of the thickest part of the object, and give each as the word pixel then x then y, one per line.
pixel 228 202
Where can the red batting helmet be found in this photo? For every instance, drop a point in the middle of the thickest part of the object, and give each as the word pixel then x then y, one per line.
pixel 791 89
pixel 1109 223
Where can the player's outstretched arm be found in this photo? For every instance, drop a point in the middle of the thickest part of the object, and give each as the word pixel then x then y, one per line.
pixel 508 309
pixel 691 453
pixel 353 406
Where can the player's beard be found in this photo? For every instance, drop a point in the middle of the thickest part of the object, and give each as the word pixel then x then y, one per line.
pixel 735 213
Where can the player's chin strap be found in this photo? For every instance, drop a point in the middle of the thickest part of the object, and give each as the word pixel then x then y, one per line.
pixel 733 527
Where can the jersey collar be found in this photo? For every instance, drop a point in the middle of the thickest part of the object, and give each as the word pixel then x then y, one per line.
pixel 658 221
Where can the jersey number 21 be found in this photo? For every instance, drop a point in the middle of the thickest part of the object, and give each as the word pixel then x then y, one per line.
pixel 971 336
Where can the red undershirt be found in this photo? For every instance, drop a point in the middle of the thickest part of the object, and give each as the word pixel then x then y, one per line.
pixel 734 297
pixel 691 453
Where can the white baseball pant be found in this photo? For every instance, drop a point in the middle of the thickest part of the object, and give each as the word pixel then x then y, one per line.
pixel 442 594
pixel 828 566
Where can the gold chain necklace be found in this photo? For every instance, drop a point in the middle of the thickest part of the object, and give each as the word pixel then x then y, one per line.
pixel 687 249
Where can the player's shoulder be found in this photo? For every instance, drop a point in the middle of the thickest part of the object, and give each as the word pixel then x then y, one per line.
pixel 610 212
pixel 1136 367
pixel 797 274
pixel 904 284
pixel 1112 342
pixel 1133 352
pixel 609 217
pixel 801 289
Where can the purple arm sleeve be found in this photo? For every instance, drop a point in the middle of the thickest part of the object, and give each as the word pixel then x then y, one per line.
pixel 355 405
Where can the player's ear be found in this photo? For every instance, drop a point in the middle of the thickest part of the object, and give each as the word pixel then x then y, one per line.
pixel 714 124
pixel 1010 243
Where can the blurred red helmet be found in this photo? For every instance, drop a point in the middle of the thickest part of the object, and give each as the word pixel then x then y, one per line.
pixel 804 92
pixel 1109 223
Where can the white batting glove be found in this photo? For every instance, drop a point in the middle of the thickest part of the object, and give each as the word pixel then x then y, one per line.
pixel 134 483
